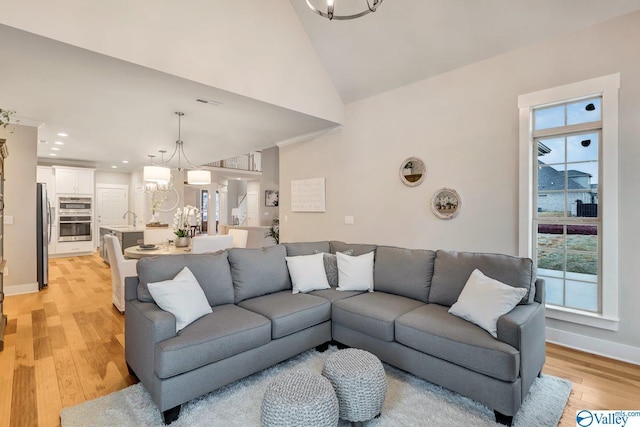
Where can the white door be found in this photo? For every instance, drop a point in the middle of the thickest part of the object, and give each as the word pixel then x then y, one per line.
pixel 112 201
pixel 252 209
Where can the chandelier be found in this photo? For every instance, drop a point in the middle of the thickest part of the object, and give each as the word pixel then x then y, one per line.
pixel 371 6
pixel 159 177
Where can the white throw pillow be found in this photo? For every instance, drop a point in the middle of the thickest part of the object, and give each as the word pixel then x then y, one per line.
pixel 355 273
pixel 183 297
pixel 483 300
pixel 307 273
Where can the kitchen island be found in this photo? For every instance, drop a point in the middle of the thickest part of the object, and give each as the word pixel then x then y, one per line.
pixel 127 235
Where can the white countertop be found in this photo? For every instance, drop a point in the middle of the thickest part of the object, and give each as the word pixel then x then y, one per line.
pixel 123 228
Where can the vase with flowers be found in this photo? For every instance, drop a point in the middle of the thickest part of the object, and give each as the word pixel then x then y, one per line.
pixel 183 220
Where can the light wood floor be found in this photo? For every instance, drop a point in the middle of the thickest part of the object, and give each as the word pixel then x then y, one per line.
pixel 64 345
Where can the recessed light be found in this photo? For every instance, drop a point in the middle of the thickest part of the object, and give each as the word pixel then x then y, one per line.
pixel 114 167
pixel 59 143
pixel 55 148
pixel 62 134
pixel 125 161
pixel 53 154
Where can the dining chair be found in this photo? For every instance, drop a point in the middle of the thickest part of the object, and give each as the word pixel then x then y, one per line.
pixel 202 244
pixel 120 268
pixel 240 237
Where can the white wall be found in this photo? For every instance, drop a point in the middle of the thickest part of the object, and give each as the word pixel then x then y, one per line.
pixel 239 46
pixel 20 203
pixel 464 125
pixel 118 178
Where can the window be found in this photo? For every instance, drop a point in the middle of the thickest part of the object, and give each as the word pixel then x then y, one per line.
pixel 566 221
pixel 568 197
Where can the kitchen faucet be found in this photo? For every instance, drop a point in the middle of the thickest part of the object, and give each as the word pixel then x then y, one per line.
pixel 132 213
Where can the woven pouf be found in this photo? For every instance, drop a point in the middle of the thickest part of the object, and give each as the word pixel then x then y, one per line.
pixel 359 381
pixel 298 399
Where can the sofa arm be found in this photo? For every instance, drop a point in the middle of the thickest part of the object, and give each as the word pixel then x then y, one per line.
pixel 145 325
pixel 524 328
pixel 131 288
pixel 541 295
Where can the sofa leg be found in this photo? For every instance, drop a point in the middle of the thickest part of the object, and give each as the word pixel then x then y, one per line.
pixel 133 374
pixel 339 345
pixel 503 419
pixel 323 347
pixel 170 415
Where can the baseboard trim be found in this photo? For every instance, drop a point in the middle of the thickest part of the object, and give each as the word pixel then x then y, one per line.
pixel 612 350
pixel 27 288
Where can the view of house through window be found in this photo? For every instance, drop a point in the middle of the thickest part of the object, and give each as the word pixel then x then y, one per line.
pixel 567 211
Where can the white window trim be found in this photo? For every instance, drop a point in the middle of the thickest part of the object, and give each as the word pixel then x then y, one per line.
pixel 607 87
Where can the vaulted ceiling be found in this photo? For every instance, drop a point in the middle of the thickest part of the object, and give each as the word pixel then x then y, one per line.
pixel 112 74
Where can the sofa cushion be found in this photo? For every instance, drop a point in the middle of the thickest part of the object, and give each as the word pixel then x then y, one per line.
pixel 452 269
pixel 307 273
pixel 432 330
pixel 331 266
pixel 357 248
pixel 404 272
pixel 372 313
pixel 333 294
pixel 483 300
pixel 306 248
pixel 183 297
pixel 211 271
pixel 227 331
pixel 355 273
pixel 257 272
pixel 289 312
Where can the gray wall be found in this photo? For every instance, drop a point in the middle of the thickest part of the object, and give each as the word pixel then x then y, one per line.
pixel 20 202
pixel 464 125
pixel 269 181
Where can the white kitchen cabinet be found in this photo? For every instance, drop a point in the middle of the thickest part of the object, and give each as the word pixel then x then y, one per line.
pixel 74 181
pixel 75 247
pixel 45 174
pixel 53 239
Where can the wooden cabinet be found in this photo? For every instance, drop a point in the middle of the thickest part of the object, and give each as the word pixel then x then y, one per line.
pixel 74 181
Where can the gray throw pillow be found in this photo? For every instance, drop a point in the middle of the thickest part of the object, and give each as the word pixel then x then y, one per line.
pixel 331 266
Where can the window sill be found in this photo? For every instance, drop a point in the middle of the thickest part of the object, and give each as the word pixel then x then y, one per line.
pixel 582 318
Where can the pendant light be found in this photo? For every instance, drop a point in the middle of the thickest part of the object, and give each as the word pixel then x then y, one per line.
pixel 369 6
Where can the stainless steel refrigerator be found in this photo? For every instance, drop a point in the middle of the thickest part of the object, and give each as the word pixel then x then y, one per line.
pixel 43 233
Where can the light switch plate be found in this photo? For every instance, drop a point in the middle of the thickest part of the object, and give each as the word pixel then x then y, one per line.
pixel 349 220
pixel 8 219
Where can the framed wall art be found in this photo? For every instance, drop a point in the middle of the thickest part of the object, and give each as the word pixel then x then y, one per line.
pixel 271 198
pixel 446 203
pixel 308 195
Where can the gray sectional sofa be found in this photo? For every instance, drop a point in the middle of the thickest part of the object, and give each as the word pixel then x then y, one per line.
pixel 257 322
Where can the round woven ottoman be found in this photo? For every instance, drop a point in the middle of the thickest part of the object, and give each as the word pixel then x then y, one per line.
pixel 299 399
pixel 359 381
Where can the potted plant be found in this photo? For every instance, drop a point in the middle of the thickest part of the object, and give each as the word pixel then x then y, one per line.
pixel 408 169
pixel 183 220
pixel 274 231
pixel 5 118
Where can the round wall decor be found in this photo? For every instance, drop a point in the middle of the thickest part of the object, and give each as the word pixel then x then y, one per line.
pixel 446 203
pixel 168 200
pixel 413 171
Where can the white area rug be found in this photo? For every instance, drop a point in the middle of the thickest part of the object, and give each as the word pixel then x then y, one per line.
pixel 410 401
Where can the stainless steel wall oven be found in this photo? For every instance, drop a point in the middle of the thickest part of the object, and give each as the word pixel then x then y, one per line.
pixel 75 219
